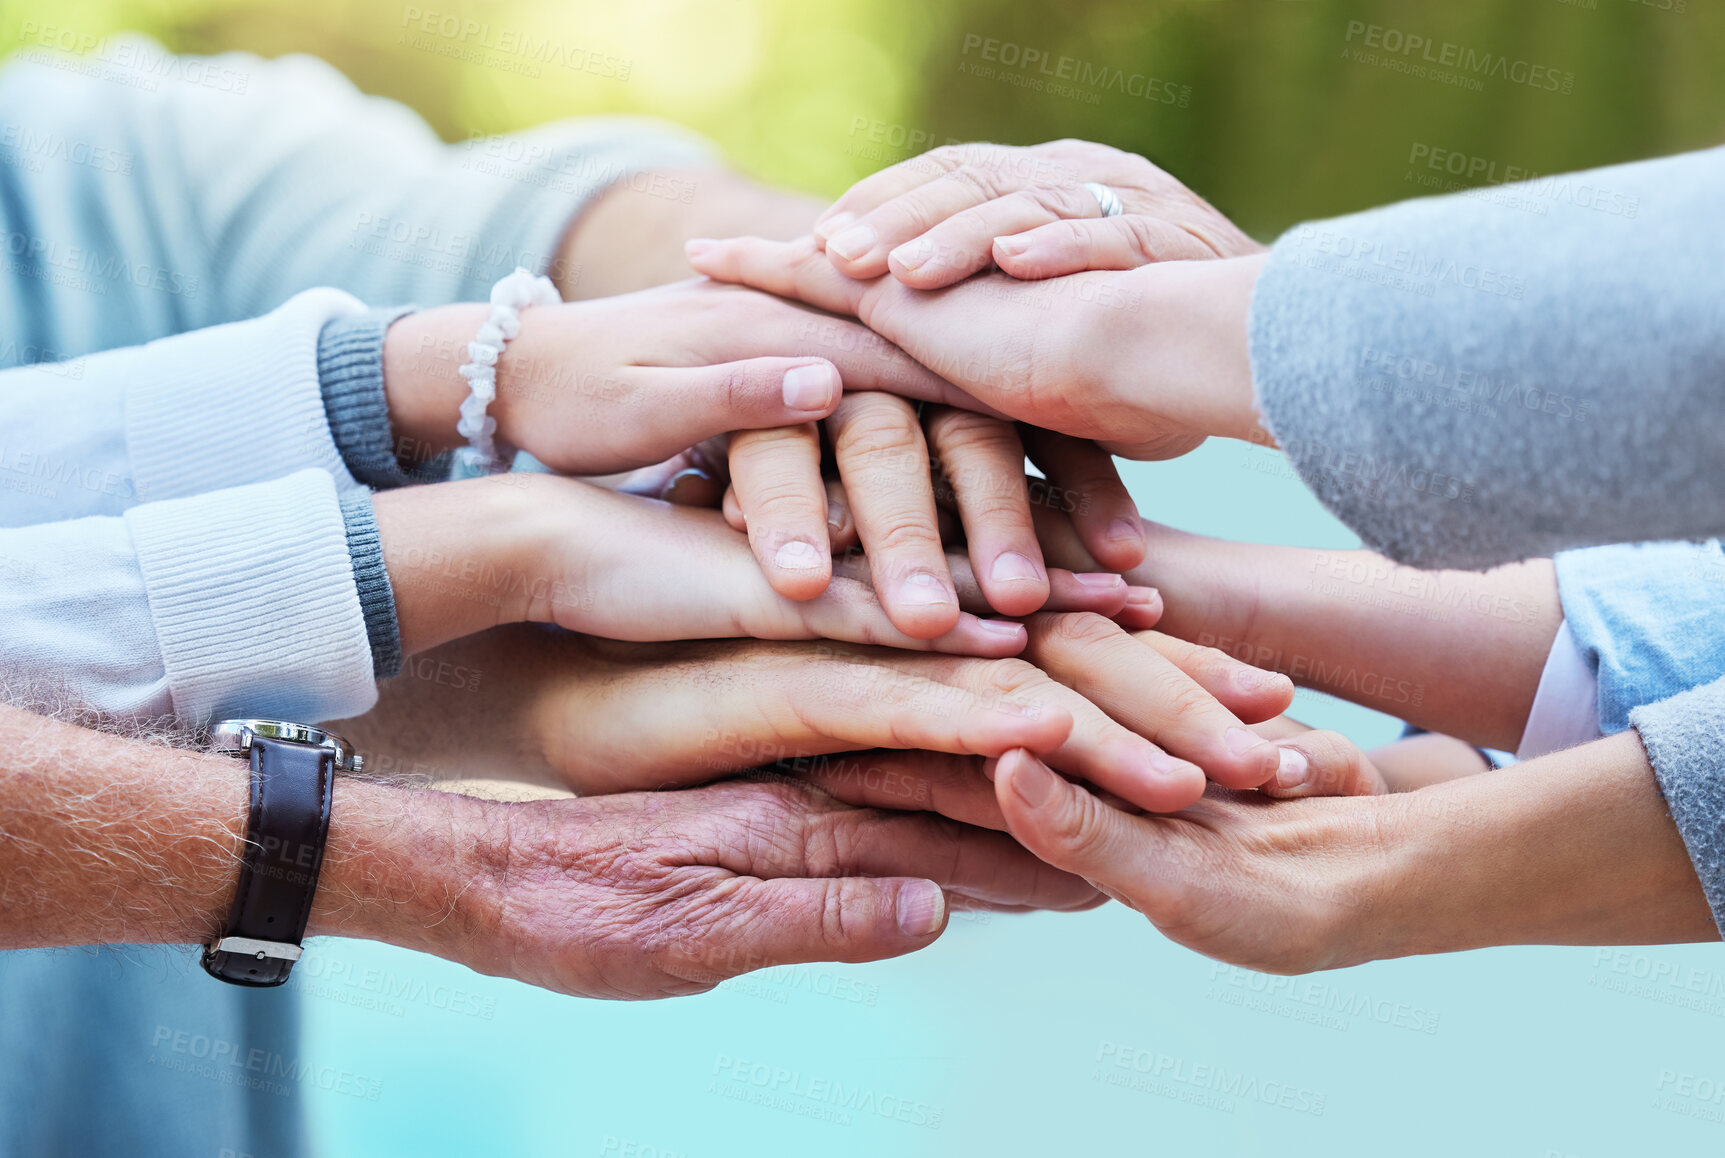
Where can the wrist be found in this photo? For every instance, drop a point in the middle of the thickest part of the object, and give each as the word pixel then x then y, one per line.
pixel 459 555
pixel 1191 360
pixel 411 868
pixel 422 384
pixel 1575 848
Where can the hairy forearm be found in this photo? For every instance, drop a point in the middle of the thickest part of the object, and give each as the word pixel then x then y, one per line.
pixel 1575 848
pixel 106 839
pixel 1456 652
pixel 629 239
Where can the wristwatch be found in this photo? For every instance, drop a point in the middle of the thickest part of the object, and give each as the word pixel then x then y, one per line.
pixel 293 770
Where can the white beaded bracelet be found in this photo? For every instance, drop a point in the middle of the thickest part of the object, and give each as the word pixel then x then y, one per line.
pixel 509 297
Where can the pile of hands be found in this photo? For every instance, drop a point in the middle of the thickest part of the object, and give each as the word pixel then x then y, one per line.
pixel 831 665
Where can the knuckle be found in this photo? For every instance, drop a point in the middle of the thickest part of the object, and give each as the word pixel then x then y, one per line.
pixel 783 495
pixel 1079 829
pixel 1184 699
pixel 959 431
pixel 1006 678
pixel 1063 199
pixel 1084 629
pixel 905 533
pixel 1145 236
pixel 868 429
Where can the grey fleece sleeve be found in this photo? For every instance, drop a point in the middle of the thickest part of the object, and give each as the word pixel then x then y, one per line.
pixel 1483 377
pixel 1685 741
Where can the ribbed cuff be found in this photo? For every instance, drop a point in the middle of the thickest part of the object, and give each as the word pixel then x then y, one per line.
pixel 234 404
pixel 350 373
pixel 371 577
pixel 1685 741
pixel 252 595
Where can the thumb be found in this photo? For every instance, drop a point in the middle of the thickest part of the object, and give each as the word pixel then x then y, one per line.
pixel 1323 764
pixel 1067 826
pixel 698 402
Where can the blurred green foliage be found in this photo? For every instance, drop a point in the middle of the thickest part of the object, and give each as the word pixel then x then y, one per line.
pixel 1278 110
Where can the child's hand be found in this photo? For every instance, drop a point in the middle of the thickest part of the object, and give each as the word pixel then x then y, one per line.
pixel 897 474
pixel 609 385
pixel 465 556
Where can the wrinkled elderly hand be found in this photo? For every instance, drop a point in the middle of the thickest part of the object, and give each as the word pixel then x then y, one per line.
pixel 647 895
pixel 953 211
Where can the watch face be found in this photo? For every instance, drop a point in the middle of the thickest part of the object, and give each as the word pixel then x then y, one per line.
pixel 235 736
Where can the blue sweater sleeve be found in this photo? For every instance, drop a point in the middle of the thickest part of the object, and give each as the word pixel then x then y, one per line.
pixel 230 183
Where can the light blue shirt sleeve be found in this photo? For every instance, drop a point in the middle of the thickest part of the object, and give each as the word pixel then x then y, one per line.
pixel 1649 618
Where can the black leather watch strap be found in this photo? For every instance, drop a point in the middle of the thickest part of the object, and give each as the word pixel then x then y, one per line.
pixel 292 786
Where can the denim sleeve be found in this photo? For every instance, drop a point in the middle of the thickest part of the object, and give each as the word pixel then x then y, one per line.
pixel 1648 617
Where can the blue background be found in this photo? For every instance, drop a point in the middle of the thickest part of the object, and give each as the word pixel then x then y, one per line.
pixel 1000 1038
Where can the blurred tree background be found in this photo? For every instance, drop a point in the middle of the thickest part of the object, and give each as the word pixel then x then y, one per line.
pixel 1278 110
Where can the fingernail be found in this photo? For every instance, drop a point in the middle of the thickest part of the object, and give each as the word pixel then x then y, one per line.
pixel 1166 764
pixel 828 226
pixel 853 242
pixel 835 516
pixel 1240 741
pixel 797 555
pixel 1011 567
pixel 1121 529
pixel 813 387
pixel 1004 628
pixel 1256 679
pixel 912 254
pixel 1292 768
pixel 1010 246
pixel 696 246
pixel 923 589
pixel 1103 580
pixel 1033 782
pixel 921 908
pixel 1143 596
